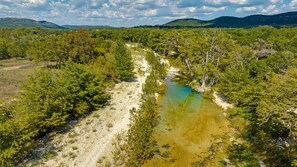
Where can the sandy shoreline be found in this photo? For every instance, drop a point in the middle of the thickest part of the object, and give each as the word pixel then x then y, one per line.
pixel 221 101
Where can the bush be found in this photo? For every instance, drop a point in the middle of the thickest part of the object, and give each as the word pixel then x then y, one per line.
pixel 47 101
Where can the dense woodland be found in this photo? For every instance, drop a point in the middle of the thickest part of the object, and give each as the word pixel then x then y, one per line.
pixel 74 86
pixel 255 68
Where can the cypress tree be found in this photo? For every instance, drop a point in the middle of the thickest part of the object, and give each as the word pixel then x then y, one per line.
pixel 124 62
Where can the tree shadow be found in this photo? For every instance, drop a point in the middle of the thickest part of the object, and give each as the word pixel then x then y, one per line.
pixel 46 148
pixel 131 79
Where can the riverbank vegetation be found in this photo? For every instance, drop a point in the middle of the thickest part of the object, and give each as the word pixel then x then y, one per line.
pixel 54 95
pixel 141 145
pixel 255 68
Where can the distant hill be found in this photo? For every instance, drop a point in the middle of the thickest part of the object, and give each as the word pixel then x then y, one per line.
pixel 29 23
pixel 26 23
pixel 84 26
pixel 188 22
pixel 284 19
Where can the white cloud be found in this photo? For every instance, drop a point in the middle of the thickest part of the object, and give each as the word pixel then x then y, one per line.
pixel 94 2
pixel 150 12
pixel 37 1
pixel 32 3
pixel 271 9
pixel 275 1
pixel 23 2
pixel 93 14
pixel 105 6
pixel 220 2
pixel 162 3
pixel 3 7
pixel 210 9
pixel 192 9
pixel 246 9
pixel 119 2
pixel 144 1
pixel 55 12
pixel 293 3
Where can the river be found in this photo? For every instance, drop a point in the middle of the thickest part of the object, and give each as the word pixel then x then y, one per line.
pixel 188 127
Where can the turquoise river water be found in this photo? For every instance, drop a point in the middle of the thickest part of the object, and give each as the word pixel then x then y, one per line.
pixel 188 125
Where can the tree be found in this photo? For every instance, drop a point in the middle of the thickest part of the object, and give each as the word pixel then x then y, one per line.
pixel 3 49
pixel 124 62
pixel 43 49
pixel 43 99
pixel 140 142
pixel 80 46
pixel 18 47
pixel 82 88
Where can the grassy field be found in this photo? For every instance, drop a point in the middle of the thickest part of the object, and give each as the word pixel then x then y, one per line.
pixel 13 73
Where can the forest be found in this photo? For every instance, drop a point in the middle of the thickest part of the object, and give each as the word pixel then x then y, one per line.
pixel 255 68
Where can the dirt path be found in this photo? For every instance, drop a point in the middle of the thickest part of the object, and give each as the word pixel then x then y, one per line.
pixel 91 138
pixel 16 67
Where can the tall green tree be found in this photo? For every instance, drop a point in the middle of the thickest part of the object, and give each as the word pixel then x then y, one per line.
pixel 3 49
pixel 18 46
pixel 124 62
pixel 80 46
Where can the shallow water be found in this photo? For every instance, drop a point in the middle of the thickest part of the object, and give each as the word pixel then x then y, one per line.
pixel 188 125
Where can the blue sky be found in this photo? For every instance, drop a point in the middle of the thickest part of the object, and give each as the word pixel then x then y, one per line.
pixel 126 13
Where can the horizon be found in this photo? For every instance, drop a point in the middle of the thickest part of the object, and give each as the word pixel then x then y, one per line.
pixel 128 13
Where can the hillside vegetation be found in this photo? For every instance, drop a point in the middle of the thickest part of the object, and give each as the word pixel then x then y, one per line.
pixel 26 23
pixel 284 19
pixel 29 23
pixel 189 22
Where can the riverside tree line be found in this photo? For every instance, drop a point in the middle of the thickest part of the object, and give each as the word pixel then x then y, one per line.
pixel 255 68
pixel 75 86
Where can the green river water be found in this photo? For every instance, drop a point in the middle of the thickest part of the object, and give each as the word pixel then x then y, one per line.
pixel 188 125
